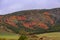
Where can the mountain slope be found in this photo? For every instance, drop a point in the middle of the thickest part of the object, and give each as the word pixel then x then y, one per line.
pixel 32 21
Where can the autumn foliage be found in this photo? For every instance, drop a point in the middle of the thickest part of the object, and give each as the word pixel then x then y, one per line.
pixel 1 18
pixel 10 20
pixel 21 17
pixel 13 20
pixel 48 18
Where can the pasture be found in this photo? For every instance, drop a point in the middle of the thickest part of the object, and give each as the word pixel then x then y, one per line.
pixel 46 36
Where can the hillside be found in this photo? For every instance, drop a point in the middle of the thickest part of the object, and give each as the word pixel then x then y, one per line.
pixel 31 21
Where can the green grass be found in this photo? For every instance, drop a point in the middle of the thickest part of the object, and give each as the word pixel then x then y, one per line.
pixel 54 35
pixel 9 36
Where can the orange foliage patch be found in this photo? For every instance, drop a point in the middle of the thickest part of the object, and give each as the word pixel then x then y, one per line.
pixel 12 17
pixel 29 24
pixel 33 23
pixel 1 19
pixel 42 25
pixel 46 13
pixel 26 25
pixel 21 17
pixel 48 18
pixel 52 22
pixel 10 21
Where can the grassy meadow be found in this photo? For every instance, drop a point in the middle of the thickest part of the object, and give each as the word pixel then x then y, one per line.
pixel 8 36
pixel 46 36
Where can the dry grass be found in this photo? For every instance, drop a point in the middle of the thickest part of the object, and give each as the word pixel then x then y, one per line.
pixel 50 36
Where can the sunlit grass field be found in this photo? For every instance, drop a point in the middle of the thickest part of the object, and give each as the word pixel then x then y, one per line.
pixel 54 36
pixel 8 36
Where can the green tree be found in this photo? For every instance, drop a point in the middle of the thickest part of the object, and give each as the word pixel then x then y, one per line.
pixel 23 35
